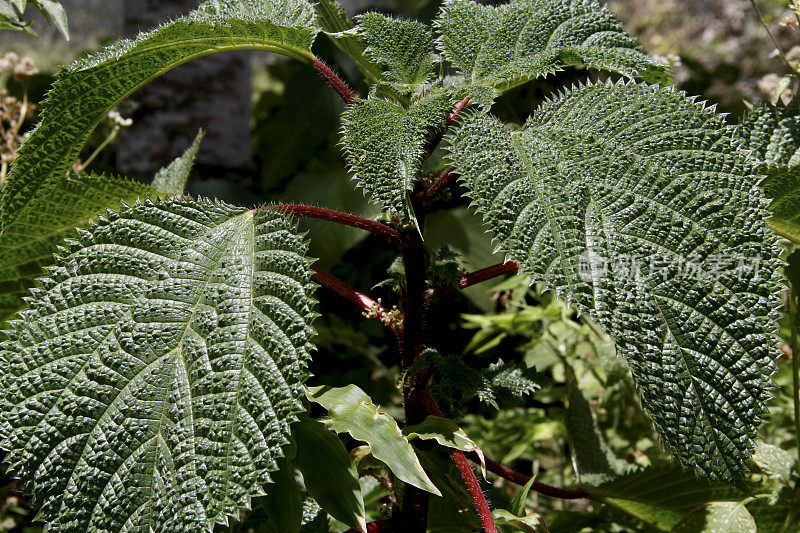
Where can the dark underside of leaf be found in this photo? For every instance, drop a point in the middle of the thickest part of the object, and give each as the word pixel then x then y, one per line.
pixel 632 202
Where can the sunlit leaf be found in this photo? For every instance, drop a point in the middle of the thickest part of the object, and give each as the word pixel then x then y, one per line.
pixel 353 412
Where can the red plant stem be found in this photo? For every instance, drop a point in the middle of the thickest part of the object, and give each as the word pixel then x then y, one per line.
pixel 473 486
pixel 362 301
pixel 487 273
pixel 382 480
pixel 521 479
pixel 445 180
pixel 373 527
pixel 505 472
pixel 347 219
pixel 334 81
pixel 451 118
pixel 457 111
pixel 475 490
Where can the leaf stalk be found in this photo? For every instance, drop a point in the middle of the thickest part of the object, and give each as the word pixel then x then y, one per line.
pixel 321 213
pixel 334 81
pixel 445 180
pixel 434 141
pixel 507 473
pixel 485 274
pixel 474 488
pixel 368 306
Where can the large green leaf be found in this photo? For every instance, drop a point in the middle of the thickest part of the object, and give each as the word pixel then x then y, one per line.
pixel 504 46
pixel 632 202
pixel 283 502
pixel 353 412
pixel 84 92
pixel 29 242
pixel 385 146
pixel 151 382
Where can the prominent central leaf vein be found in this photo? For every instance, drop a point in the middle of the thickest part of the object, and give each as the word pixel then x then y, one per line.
pixel 190 386
pixel 658 233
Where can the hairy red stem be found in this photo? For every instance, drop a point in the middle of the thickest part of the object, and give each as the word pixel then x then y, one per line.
pixel 473 486
pixel 505 472
pixel 475 490
pixel 369 306
pixel 521 479
pixel 347 219
pixel 334 81
pixel 372 527
pixel 457 111
pixel 451 118
pixel 487 273
pixel 445 180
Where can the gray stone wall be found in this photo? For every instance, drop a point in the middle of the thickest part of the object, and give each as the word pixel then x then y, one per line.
pixel 212 93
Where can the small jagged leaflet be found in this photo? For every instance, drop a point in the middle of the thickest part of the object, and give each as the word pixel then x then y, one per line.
pixel 157 346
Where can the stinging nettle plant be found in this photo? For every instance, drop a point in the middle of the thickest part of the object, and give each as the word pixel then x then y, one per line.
pixel 154 364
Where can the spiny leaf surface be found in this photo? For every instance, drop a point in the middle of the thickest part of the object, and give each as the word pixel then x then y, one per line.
pixel 773 133
pixel 85 91
pixel 151 382
pixel 782 184
pixel 385 146
pixel 28 244
pixel 403 46
pixel 633 202
pixel 507 45
pixel 513 377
